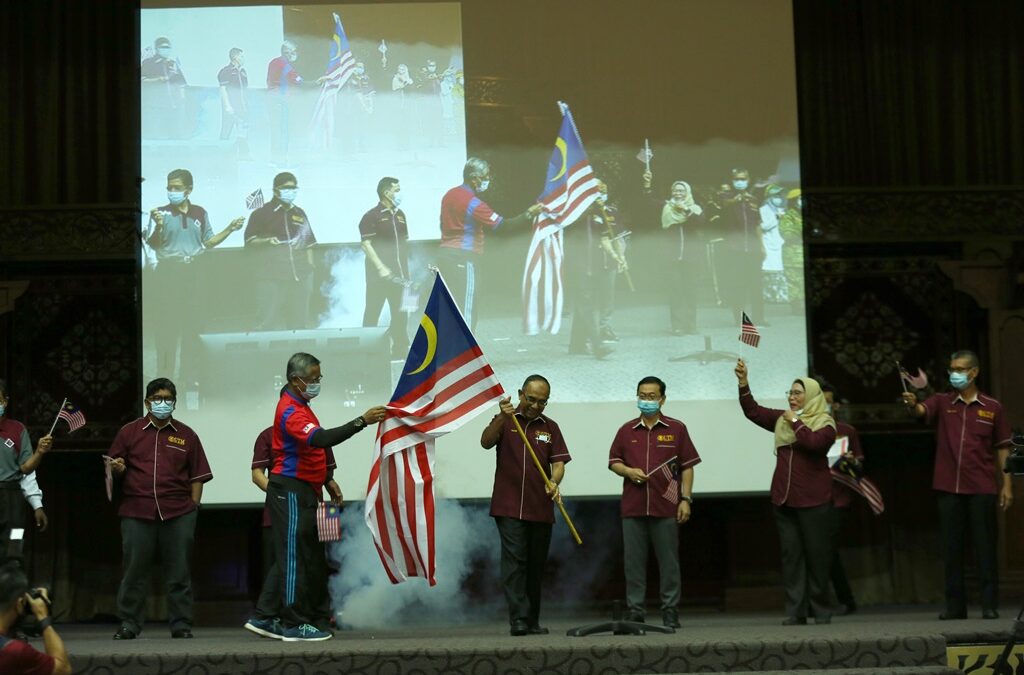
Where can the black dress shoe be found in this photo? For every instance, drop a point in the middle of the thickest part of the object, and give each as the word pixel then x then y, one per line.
pixel 538 630
pixel 989 614
pixel 519 627
pixel 182 633
pixel 125 633
pixel 795 621
pixel 670 618
pixel 849 608
pixel 952 616
pixel 634 616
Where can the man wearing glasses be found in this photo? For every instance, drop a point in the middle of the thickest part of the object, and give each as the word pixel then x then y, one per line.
pixel 521 503
pixel 163 468
pixel 655 457
pixel 972 443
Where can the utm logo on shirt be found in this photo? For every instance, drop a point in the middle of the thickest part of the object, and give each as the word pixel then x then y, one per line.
pixel 543 437
pixel 177 441
pixel 987 414
pixel 9 443
pixel 666 438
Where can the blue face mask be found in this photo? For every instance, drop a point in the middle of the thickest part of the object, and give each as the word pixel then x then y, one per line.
pixel 396 199
pixel 778 201
pixel 959 381
pixel 648 407
pixel 288 195
pixel 3 409
pixel 161 409
pixel 175 197
pixel 740 184
pixel 483 186
pixel 164 52
pixel 312 390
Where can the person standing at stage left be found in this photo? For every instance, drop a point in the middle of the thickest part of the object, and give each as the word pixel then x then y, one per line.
pixel 299 473
pixel 801 492
pixel 972 444
pixel 655 457
pixel 179 232
pixel 17 461
pixel 163 468
pixel 384 236
pixel 521 502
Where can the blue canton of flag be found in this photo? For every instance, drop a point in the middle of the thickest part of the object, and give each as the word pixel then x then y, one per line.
pixel 340 67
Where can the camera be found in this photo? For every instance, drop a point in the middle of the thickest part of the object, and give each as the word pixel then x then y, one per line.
pixel 1015 460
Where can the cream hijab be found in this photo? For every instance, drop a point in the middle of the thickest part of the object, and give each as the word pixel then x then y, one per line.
pixel 815 414
pixel 671 214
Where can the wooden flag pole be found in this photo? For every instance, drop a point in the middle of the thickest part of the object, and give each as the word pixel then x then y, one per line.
pixel 55 419
pixel 899 371
pixel 547 481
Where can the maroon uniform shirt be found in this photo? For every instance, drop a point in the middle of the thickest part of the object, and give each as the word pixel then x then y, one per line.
pixel 161 466
pixel 262 458
pixel 967 435
pixel 638 447
pixel 841 494
pixel 802 477
pixel 18 657
pixel 518 488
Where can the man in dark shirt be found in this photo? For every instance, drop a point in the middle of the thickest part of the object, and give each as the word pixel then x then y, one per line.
pixel 233 82
pixel 737 263
pixel 972 443
pixel 384 233
pixel 521 502
pixel 164 467
pixel 163 93
pixel 281 234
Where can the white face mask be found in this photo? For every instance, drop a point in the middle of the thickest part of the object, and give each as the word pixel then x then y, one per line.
pixel 483 186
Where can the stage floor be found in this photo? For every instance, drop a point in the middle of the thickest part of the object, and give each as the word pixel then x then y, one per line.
pixel 709 642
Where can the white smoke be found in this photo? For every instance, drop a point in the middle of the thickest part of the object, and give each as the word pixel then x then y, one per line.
pixel 346 290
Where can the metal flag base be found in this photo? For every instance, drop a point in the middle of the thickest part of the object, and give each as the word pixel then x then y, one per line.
pixel 617 626
pixel 707 355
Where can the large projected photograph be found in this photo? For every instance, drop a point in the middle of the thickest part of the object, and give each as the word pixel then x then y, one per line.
pixel 307 168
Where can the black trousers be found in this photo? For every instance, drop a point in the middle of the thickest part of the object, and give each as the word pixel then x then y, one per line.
pixel 840 584
pixel 377 292
pixel 12 514
pixel 142 542
pixel 683 290
pixel 805 536
pixel 298 553
pixel 956 512
pixel 172 282
pixel 284 303
pixel 741 281
pixel 524 550
pixel 584 310
pixel 460 273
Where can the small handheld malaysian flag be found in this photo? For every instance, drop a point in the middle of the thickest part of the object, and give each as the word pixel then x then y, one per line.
pixel 71 414
pixel 328 521
pixel 670 471
pixel 255 199
pixel 748 332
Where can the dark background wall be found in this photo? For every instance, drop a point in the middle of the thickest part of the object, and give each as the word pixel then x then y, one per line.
pixel 910 129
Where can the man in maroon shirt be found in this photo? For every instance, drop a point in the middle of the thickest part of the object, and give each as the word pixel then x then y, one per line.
pixel 521 502
pixel 164 466
pixel 17 656
pixel 655 457
pixel 972 443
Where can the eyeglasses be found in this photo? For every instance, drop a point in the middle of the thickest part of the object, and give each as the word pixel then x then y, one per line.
pixel 162 399
pixel 960 370
pixel 539 402
pixel 794 393
pixel 312 381
pixel 649 397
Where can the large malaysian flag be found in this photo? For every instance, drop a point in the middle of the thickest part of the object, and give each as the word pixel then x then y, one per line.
pixel 340 67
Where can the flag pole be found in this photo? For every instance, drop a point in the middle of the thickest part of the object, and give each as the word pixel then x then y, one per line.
pixel 899 371
pixel 547 481
pixel 54 425
pixel 647 155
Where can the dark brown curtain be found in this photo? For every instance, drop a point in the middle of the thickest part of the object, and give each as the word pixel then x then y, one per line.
pixel 910 93
pixel 69 120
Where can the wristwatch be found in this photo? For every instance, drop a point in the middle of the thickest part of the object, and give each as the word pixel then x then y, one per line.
pixel 687 499
pixel 360 422
pixel 45 623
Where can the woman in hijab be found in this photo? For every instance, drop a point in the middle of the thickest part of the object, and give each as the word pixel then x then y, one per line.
pixel 801 492
pixel 682 215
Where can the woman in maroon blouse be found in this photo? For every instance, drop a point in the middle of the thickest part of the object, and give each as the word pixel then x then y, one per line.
pixel 801 492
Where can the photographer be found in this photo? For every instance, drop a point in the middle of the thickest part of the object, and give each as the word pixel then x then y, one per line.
pixel 17 656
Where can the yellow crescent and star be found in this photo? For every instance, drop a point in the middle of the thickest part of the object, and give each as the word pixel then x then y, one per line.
pixel 430 332
pixel 560 146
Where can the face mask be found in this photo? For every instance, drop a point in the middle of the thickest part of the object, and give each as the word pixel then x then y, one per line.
pixel 175 198
pixel 740 184
pixel 483 186
pixel 396 199
pixel 3 409
pixel 287 195
pixel 164 52
pixel 360 71
pixel 431 68
pixel 648 407
pixel 312 390
pixel 778 201
pixel 959 381
pixel 799 204
pixel 291 57
pixel 161 409
pixel 828 408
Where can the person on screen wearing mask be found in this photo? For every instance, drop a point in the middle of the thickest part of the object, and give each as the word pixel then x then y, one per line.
pixel 163 93
pixel 283 81
pixel 179 232
pixel 682 219
pixel 298 474
pixel 588 247
pixel 521 503
pixel 385 235
pixel 162 467
pixel 801 492
pixel 280 232
pixel 234 101
pixel 465 218
pixel 772 209
pixel 842 497
pixel 791 226
pixel 736 218
pixel 266 620
pixel 972 444
pixel 655 457
pixel 18 461
pixel 429 112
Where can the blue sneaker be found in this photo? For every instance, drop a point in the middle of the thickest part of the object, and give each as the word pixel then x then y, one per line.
pixel 305 633
pixel 269 628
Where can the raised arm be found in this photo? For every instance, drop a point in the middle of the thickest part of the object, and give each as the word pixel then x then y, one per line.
pixel 759 415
